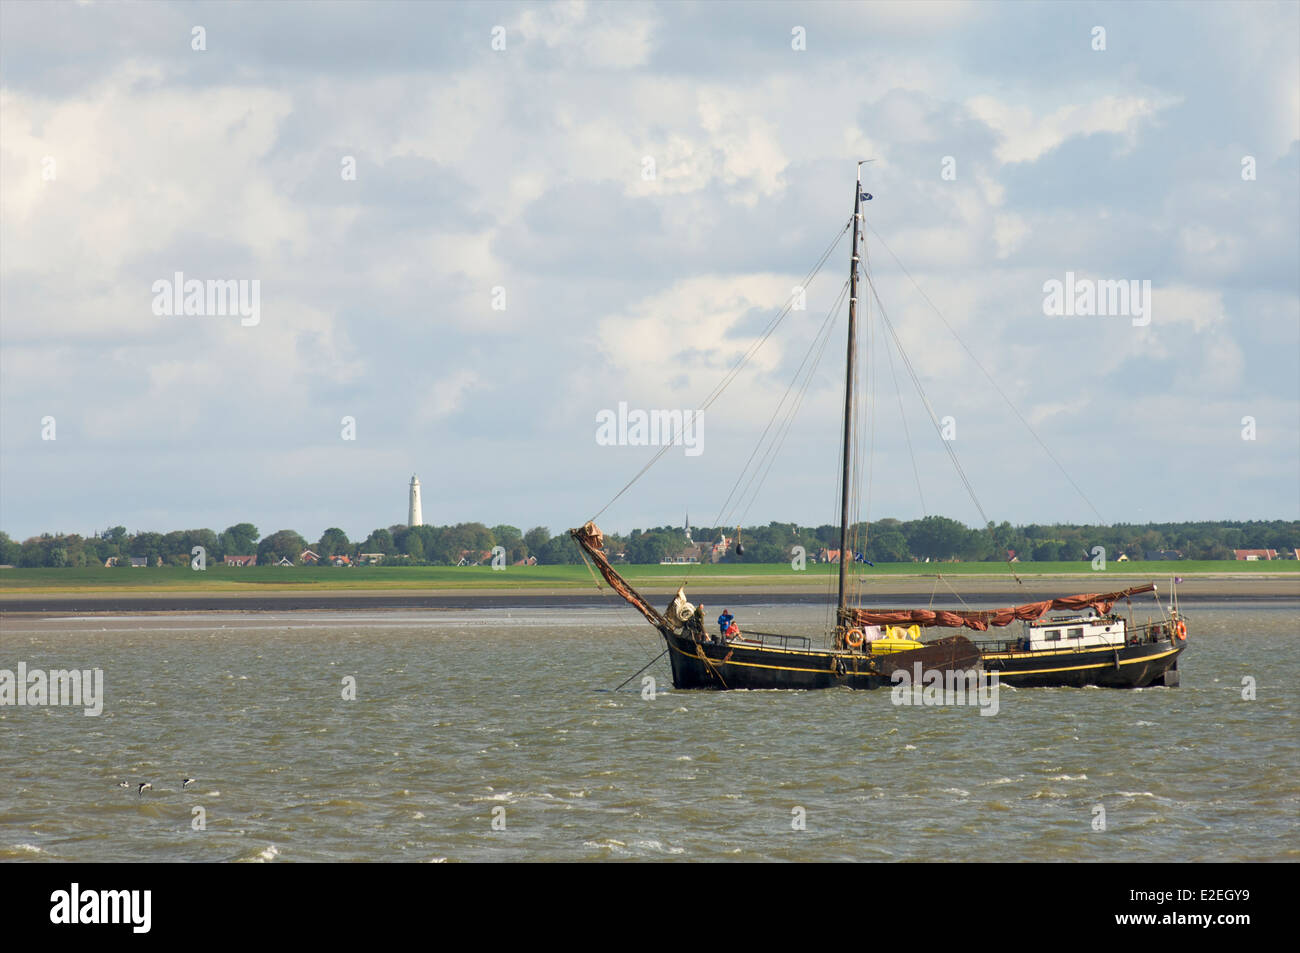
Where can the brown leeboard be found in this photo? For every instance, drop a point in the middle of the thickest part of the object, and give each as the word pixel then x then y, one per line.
pixel 952 653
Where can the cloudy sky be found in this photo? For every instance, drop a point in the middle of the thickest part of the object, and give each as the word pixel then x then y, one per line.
pixel 560 207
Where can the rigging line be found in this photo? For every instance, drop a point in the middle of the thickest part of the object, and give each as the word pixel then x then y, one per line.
pixel 861 410
pixel 934 420
pixel 855 460
pixel 872 421
pixel 592 571
pixel 640 670
pixel 765 465
pixel 864 442
pixel 781 437
pixel 861 425
pixel 907 434
pixel 774 449
pixel 832 581
pixel 724 514
pixel 865 437
pixel 944 580
pixel 599 588
pixel 830 618
pixel 873 414
pixel 735 370
pixel 717 391
pixel 990 378
pixel 852 516
pixel 778 439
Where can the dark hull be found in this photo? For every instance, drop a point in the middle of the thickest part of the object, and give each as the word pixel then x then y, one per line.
pixel 736 666
pixel 1129 666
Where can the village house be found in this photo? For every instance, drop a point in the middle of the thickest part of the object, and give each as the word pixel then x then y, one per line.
pixel 825 555
pixel 693 553
pixel 137 562
pixel 686 556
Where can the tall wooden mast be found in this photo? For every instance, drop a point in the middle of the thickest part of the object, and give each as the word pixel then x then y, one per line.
pixel 845 558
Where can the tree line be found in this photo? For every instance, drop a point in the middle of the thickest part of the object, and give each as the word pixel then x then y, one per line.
pixel 411 545
pixel 934 538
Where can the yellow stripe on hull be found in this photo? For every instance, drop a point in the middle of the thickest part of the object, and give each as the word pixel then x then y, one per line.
pixel 1081 668
pixel 779 668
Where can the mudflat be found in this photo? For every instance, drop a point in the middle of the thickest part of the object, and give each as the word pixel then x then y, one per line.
pixel 885 591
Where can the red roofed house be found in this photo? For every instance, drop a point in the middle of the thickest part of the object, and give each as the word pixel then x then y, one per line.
pixel 1251 555
pixel 690 554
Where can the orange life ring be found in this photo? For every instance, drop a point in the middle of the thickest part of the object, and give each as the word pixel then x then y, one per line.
pixel 854 638
pixel 1180 630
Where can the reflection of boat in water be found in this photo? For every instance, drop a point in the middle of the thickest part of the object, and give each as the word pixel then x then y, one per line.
pixel 868 646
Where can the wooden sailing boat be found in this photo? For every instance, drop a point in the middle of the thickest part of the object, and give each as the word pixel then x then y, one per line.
pixel 870 648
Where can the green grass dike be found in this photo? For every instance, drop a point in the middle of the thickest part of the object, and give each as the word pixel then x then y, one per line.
pixel 262 579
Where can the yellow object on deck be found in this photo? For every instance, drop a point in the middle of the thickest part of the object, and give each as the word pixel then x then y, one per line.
pixel 897 639
pixel 912 632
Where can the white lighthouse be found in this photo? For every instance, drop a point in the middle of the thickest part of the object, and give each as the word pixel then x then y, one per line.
pixel 415 517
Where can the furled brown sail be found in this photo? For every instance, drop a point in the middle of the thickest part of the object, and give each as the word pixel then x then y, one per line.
pixel 592 541
pixel 982 619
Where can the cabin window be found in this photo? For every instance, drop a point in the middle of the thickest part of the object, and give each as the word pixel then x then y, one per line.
pixel 1075 633
pixel 1051 635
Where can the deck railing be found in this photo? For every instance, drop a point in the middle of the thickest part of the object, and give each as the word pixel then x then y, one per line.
pixel 776 638
pixel 1138 635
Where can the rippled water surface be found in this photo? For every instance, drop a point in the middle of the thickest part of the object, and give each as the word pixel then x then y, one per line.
pixel 458 714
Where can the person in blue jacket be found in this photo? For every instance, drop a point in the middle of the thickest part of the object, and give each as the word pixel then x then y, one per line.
pixel 724 621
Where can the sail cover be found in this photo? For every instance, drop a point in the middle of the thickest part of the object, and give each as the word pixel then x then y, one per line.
pixel 981 620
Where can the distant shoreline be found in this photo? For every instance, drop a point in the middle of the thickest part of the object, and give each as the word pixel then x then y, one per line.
pixel 892 591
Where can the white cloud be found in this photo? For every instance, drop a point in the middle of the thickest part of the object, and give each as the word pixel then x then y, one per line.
pixel 379 298
pixel 447 395
pixel 1026 136
pixel 588 35
pixel 1009 233
pixel 1202 308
